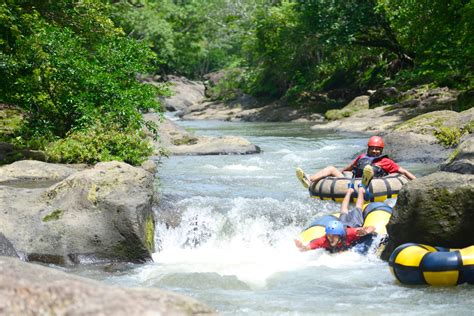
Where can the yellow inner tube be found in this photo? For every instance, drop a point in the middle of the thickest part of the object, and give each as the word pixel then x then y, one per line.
pixel 332 188
pixel 375 214
pixel 414 264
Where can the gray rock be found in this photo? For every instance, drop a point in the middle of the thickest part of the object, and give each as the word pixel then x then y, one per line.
pixel 150 166
pixel 382 96
pixel 357 104
pixel 185 93
pixel 6 247
pixel 435 210
pixel 30 289
pixel 224 145
pixel 178 141
pixel 35 171
pixel 465 100
pixel 98 214
pixel 462 160
pixel 414 147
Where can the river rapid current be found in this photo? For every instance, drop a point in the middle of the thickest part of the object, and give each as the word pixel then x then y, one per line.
pixel 230 225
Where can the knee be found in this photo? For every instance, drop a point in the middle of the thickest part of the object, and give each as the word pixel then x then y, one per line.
pixel 331 169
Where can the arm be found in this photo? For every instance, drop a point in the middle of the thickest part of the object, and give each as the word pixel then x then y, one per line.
pixel 365 231
pixel 406 173
pixel 300 245
pixel 314 244
pixel 348 167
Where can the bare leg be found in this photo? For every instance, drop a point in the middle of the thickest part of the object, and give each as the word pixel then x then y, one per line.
pixel 360 197
pixel 329 171
pixel 346 201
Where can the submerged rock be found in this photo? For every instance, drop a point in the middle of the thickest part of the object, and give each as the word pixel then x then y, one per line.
pixel 29 289
pixel 434 210
pixel 98 214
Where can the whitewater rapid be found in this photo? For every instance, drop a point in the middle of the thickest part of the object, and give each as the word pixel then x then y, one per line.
pixel 226 226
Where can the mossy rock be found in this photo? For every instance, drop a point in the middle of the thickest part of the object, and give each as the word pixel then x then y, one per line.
pixel 426 123
pixel 185 140
pixel 150 234
pixel 358 104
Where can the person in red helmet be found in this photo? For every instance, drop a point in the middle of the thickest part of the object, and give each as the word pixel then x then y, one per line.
pixel 381 165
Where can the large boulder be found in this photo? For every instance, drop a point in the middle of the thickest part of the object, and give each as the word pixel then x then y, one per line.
pixel 386 95
pixel 434 210
pixel 408 146
pixel 425 99
pixel 357 104
pixel 185 93
pixel 430 123
pixel 30 289
pixel 99 214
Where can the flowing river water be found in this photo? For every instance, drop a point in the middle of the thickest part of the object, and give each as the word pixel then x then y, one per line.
pixel 235 217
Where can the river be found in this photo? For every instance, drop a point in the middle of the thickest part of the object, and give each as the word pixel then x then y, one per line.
pixel 233 247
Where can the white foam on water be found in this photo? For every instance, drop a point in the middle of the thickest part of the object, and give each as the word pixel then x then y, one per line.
pixel 240 167
pixel 251 239
pixel 210 167
pixel 296 158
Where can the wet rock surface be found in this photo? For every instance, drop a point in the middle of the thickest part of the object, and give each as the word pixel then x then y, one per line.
pixel 30 289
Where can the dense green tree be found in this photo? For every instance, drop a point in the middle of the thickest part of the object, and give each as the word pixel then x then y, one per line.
pixel 190 37
pixel 440 35
pixel 69 68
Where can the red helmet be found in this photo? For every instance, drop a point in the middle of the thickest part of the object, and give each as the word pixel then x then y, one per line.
pixel 376 141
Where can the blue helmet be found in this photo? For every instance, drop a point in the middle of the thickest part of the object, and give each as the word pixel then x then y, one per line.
pixel 335 228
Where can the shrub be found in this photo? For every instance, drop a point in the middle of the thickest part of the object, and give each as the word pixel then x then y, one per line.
pixel 450 137
pixel 101 143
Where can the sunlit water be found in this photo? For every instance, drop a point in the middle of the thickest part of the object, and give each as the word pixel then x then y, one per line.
pixel 236 218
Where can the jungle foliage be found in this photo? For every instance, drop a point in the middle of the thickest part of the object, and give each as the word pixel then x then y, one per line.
pixel 286 47
pixel 68 67
pixel 71 65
